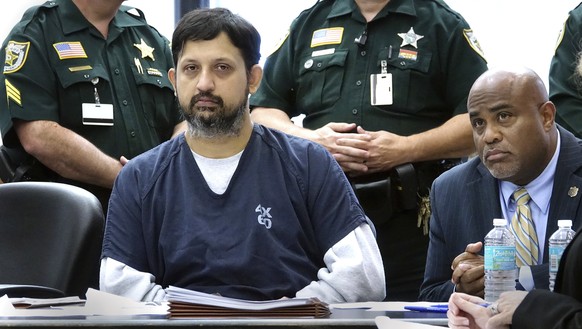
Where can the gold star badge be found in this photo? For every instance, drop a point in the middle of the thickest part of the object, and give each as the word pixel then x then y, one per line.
pixel 146 51
pixel 410 38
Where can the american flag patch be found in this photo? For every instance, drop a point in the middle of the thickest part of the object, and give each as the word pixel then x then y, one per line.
pixel 408 54
pixel 329 36
pixel 68 50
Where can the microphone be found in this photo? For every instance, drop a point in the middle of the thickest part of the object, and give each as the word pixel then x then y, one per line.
pixel 361 39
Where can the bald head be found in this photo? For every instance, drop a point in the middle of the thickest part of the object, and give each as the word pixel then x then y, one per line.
pixel 521 82
pixel 513 123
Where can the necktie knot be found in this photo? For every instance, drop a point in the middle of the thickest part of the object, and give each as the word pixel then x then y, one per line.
pixel 521 196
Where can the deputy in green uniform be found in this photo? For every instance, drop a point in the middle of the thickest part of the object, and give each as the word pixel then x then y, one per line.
pixel 86 88
pixel 565 82
pixel 383 86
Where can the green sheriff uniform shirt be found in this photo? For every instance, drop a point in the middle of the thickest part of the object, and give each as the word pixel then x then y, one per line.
pixel 55 60
pixel 565 84
pixel 320 71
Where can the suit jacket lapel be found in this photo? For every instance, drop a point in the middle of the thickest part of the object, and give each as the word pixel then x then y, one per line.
pixel 485 192
pixel 564 203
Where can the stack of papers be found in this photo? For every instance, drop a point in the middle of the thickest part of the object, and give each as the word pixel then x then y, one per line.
pixel 188 303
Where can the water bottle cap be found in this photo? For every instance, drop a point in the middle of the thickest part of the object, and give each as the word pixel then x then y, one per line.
pixel 499 222
pixel 565 223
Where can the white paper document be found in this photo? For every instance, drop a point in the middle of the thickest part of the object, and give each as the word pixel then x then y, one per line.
pixel 384 322
pixel 98 303
pixel 380 306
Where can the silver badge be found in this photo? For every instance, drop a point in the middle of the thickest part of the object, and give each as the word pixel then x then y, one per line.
pixel 410 38
pixel 573 191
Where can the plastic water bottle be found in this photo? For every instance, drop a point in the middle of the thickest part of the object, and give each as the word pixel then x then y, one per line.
pixel 557 243
pixel 500 268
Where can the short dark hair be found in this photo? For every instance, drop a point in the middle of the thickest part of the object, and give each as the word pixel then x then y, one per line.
pixel 208 23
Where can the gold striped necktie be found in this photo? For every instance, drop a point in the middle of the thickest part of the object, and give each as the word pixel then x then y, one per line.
pixel 522 226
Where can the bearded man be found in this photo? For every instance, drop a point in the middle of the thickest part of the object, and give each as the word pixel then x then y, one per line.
pixel 232 207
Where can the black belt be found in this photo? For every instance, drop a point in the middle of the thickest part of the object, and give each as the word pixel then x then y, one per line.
pixel 383 194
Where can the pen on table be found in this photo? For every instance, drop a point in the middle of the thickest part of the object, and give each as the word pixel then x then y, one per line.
pixel 436 308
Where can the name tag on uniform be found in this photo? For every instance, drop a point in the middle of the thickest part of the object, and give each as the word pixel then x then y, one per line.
pixel 381 89
pixel 97 114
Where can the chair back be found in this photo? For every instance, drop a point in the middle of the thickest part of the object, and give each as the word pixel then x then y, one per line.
pixel 50 235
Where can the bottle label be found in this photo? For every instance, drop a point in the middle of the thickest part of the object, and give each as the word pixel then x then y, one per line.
pixel 499 258
pixel 555 255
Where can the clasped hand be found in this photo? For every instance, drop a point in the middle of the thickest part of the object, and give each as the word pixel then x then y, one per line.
pixel 362 151
pixel 468 271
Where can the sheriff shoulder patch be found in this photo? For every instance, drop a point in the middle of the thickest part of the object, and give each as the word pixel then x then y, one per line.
pixel 472 40
pixel 279 43
pixel 16 53
pixel 561 35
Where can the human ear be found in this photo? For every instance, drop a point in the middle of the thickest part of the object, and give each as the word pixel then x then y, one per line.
pixel 548 114
pixel 255 78
pixel 172 77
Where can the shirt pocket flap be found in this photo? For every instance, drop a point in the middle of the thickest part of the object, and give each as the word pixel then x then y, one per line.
pixel 415 61
pixel 154 80
pixel 153 77
pixel 69 76
pixel 323 62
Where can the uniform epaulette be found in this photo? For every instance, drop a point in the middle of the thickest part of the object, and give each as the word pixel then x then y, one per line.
pixel 317 3
pixel 49 4
pixel 134 12
pixel 30 13
pixel 33 11
pixel 446 7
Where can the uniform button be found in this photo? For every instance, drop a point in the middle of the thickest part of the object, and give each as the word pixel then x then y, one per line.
pixel 355 111
pixel 124 102
pixel 116 71
pixel 402 63
pixel 363 53
pixel 132 133
pixel 358 83
pixel 159 82
pixel 319 64
pixel 86 76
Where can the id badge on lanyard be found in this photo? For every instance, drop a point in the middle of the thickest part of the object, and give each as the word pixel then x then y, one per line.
pixel 381 86
pixel 97 114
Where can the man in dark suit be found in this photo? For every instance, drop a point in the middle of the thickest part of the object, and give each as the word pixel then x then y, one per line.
pixel 518 145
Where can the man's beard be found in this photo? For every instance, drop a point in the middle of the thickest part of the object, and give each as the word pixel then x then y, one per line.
pixel 222 121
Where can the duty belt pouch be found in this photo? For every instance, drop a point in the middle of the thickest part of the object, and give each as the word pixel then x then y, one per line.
pixel 16 166
pixel 381 196
pixel 376 199
pixel 7 168
pixel 405 180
